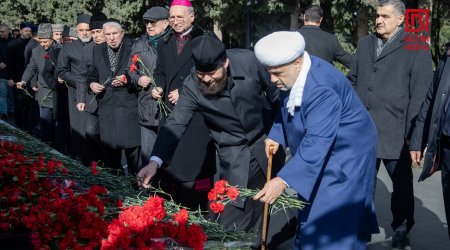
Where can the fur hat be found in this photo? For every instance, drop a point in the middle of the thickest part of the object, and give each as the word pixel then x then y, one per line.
pixel 45 30
pixel 58 27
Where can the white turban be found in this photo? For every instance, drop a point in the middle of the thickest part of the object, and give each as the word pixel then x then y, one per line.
pixel 279 48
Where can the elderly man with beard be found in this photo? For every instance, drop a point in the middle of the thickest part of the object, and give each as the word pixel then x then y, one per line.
pixel 232 91
pixel 117 98
pixel 68 67
pixel 86 101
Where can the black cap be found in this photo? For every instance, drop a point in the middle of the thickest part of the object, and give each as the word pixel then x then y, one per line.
pixel 25 25
pixel 114 20
pixel 156 13
pixel 83 18
pixel 97 20
pixel 66 31
pixel 208 52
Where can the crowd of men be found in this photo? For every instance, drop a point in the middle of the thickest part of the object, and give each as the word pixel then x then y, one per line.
pixel 181 110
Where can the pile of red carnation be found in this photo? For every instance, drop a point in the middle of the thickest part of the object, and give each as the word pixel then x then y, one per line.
pixel 36 195
pixel 221 194
pixel 138 225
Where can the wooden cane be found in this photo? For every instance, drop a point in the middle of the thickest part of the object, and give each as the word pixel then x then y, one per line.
pixel 266 205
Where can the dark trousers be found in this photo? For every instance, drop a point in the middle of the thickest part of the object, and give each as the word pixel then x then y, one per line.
pixel 445 171
pixel 47 124
pixel 402 199
pixel 95 152
pixel 148 138
pixel 113 159
pixel 62 133
pixel 21 109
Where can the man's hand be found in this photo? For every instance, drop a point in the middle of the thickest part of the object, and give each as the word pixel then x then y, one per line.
pixel 20 85
pixel 96 87
pixel 157 93
pixel 35 89
pixel 416 156
pixel 144 81
pixel 80 106
pixel 119 81
pixel 271 191
pixel 147 173
pixel 60 80
pixel 173 96
pixel 271 143
pixel 2 65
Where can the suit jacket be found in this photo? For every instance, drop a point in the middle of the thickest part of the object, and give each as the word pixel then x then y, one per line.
pixel 254 99
pixel 392 87
pixel 44 95
pixel 333 146
pixel 195 147
pixel 428 126
pixel 117 106
pixel 324 45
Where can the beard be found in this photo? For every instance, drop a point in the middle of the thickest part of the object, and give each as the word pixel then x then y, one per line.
pixel 213 88
pixel 85 39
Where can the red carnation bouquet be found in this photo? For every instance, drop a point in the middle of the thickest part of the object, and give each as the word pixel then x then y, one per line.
pixel 224 193
pixel 138 66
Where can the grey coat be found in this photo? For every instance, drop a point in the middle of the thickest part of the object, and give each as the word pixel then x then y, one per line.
pixel 392 87
pixel 44 95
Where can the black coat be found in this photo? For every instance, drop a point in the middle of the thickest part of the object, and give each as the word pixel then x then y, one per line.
pixel 324 45
pixel 428 127
pixel 33 43
pixel 3 54
pixel 15 59
pixel 60 107
pixel 195 147
pixel 84 94
pixel 255 101
pixel 117 106
pixel 392 86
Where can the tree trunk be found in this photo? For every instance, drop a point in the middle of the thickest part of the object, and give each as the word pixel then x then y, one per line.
pixel 295 17
pixel 362 23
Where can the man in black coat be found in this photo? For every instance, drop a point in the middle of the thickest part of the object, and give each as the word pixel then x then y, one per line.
pixel 432 129
pixel 188 186
pixel 69 66
pixel 117 98
pixel 233 93
pixel 4 41
pixel 392 81
pixel 15 58
pixel 321 43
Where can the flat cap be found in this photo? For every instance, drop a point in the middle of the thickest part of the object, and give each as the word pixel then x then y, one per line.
pixel 156 13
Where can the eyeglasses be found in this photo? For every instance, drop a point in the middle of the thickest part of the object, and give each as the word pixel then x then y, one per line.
pixel 152 22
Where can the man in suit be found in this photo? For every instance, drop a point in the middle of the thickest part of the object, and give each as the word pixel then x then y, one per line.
pixel 117 98
pixel 333 146
pixel 392 81
pixel 44 89
pixel 233 93
pixel 321 43
pixel 188 186
pixel 432 129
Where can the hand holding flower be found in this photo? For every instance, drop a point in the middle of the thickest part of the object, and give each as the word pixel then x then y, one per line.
pixel 157 92
pixel 144 81
pixel 96 87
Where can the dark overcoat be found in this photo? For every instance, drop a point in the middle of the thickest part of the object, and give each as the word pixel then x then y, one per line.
pixel 195 147
pixel 117 106
pixel 392 87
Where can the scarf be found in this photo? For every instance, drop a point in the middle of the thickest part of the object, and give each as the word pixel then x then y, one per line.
pixel 296 95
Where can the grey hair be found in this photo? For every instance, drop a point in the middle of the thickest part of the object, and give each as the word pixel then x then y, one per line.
pixel 398 5
pixel 2 25
pixel 191 10
pixel 113 24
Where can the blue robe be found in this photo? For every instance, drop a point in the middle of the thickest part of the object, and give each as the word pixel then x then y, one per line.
pixel 333 141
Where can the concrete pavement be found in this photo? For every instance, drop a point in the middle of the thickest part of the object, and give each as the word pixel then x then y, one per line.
pixel 430 229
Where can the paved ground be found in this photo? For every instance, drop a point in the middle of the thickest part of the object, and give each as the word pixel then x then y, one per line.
pixel 430 230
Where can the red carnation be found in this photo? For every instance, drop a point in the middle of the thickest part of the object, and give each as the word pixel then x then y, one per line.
pixel 220 186
pixel 232 193
pixel 94 168
pixel 182 217
pixel 217 207
pixel 47 56
pixel 124 78
pixel 5 226
pixel 212 195
pixel 135 58
pixel 133 68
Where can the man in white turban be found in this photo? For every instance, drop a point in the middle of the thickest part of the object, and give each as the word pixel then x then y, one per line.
pixel 332 140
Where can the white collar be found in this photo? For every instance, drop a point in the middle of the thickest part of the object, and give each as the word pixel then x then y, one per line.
pixel 296 95
pixel 187 32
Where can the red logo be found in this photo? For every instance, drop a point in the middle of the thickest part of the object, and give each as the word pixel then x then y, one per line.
pixel 417 20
